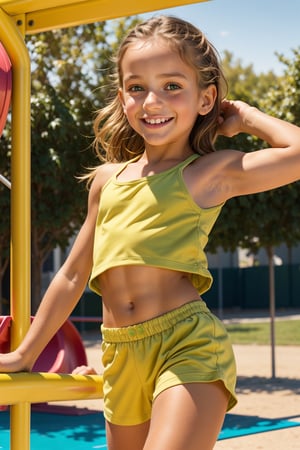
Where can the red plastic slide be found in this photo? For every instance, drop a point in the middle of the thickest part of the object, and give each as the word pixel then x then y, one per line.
pixel 64 352
pixel 5 86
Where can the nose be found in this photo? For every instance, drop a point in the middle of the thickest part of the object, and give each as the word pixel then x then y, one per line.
pixel 152 101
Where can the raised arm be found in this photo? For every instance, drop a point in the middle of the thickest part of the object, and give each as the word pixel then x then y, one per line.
pixel 265 169
pixel 61 297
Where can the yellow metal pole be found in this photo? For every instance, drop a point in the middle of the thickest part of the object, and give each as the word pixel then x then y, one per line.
pixel 42 387
pixel 20 176
pixel 20 210
pixel 20 426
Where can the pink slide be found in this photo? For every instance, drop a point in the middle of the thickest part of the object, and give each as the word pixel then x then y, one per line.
pixel 64 352
pixel 5 86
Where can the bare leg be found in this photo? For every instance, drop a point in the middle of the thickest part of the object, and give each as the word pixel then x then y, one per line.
pixel 188 417
pixel 125 437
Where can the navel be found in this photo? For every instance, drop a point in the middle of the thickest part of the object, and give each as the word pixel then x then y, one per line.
pixel 131 306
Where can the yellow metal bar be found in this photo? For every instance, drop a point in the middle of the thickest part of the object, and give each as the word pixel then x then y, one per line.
pixel 48 15
pixel 20 210
pixel 93 11
pixel 24 6
pixel 20 427
pixel 20 176
pixel 48 387
pixel 20 21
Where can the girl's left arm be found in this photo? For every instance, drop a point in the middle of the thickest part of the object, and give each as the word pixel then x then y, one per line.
pixel 264 169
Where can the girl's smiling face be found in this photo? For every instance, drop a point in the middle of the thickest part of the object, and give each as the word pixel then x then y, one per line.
pixel 160 93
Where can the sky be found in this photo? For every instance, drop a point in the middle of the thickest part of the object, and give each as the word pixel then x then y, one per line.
pixel 252 30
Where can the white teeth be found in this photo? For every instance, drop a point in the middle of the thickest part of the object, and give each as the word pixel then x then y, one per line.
pixel 156 121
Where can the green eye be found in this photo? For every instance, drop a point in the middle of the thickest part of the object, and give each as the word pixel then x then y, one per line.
pixel 172 87
pixel 135 88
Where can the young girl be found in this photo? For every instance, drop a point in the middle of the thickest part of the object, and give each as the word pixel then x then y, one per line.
pixel 169 371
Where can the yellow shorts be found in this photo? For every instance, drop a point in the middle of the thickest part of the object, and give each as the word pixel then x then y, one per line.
pixel 185 345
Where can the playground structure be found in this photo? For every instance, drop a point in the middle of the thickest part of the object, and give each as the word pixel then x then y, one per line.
pixel 63 353
pixel 18 18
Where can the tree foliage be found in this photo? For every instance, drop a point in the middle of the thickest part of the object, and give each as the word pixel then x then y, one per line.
pixel 281 215
pixel 270 218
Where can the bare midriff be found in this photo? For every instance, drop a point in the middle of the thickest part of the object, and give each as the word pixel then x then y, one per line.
pixel 134 294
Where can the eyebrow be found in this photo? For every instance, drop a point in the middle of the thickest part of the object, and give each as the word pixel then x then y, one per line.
pixel 161 75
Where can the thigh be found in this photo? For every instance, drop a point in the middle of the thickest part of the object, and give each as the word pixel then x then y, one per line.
pixel 121 437
pixel 188 417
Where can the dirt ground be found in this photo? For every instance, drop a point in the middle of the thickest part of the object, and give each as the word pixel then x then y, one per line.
pixel 259 395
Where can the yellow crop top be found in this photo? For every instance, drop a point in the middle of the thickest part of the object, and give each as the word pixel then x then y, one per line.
pixel 153 221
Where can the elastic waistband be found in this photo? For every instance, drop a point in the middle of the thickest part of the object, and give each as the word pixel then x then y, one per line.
pixel 155 325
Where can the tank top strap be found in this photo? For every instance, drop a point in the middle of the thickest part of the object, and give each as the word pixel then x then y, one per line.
pixel 125 164
pixel 187 161
pixel 179 166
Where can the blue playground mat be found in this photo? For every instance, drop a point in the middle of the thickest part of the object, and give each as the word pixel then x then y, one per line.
pixel 236 425
pixel 78 431
pixel 86 431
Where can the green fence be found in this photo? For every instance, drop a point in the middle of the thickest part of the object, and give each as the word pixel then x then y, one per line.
pixel 90 306
pixel 248 288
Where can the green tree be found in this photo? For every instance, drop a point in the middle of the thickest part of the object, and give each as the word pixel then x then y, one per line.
pixel 276 213
pixel 283 100
pixel 77 62
pixel 243 82
pixel 58 202
pixel 269 218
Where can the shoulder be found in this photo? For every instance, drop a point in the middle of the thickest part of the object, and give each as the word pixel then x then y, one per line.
pixel 103 173
pixel 100 177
